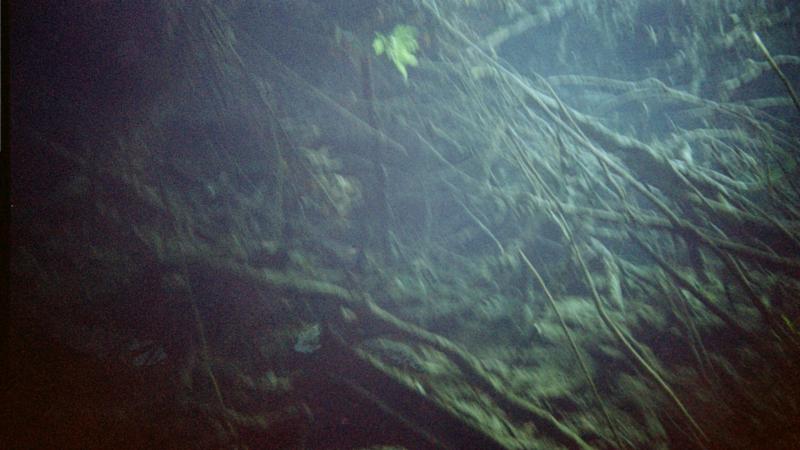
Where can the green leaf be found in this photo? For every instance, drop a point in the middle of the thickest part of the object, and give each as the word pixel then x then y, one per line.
pixel 399 47
pixel 378 44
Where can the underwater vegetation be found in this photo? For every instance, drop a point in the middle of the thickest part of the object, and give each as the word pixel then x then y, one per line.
pixel 572 224
pixel 399 47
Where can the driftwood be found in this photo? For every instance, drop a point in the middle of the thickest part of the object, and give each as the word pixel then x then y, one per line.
pixel 353 367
